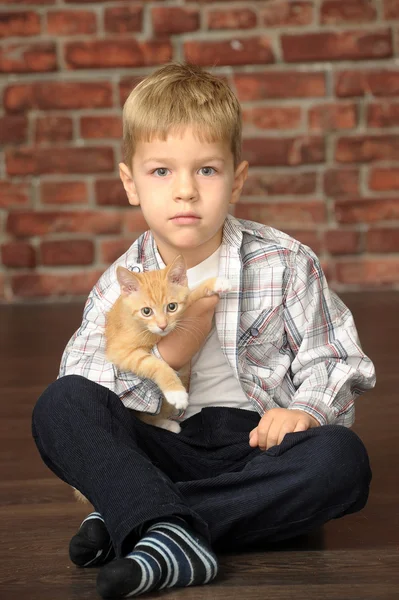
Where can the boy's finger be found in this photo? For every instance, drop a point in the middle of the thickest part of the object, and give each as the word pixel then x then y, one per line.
pixel 301 426
pixel 253 438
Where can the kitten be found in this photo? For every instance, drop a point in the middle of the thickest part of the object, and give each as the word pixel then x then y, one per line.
pixel 149 307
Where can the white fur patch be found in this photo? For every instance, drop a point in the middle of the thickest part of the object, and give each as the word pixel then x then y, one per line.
pixel 222 285
pixel 177 399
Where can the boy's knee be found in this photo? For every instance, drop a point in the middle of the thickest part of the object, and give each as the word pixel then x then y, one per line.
pixel 54 398
pixel 344 454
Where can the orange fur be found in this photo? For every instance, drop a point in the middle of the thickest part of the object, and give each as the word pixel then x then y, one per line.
pixel 130 335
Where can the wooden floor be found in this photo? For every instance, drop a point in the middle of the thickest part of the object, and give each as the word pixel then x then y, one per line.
pixel 356 557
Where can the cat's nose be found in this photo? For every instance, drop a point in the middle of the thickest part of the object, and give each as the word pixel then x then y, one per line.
pixel 163 327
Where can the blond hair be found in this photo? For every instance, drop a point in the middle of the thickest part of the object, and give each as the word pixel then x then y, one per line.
pixel 178 95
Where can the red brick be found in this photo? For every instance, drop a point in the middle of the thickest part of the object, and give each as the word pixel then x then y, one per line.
pixel 283 84
pixel 333 116
pixel 371 272
pixel 383 240
pixel 28 58
pixel 110 250
pixel 13 195
pixel 343 45
pixel 235 18
pixel 134 221
pixel 391 9
pixel 63 192
pixel 53 129
pixel 67 252
pixel 2 286
pixel 71 22
pixel 335 12
pixel 384 179
pixel 338 241
pixel 101 127
pixel 18 255
pixel 278 14
pixel 123 19
pixel 341 182
pixel 362 148
pixel 19 24
pixel 109 54
pixel 283 151
pixel 57 95
pixel 271 117
pixel 37 161
pixel 13 129
pixel 274 184
pixel 361 83
pixel 244 51
pixel 31 223
pixel 172 20
pixel 30 285
pixel 383 114
pixel 367 210
pixel 309 238
pixel 110 192
pixel 277 214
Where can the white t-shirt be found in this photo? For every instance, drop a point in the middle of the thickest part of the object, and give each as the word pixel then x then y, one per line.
pixel 212 379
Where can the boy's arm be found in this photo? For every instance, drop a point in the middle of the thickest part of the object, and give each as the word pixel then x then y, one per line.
pixel 329 369
pixel 179 346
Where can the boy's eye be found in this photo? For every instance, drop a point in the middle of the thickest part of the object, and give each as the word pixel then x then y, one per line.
pixel 161 169
pixel 172 307
pixel 146 311
pixel 208 169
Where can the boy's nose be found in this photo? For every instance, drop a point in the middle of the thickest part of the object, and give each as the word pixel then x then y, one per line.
pixel 185 189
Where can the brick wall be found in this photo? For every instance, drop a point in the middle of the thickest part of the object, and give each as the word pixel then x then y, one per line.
pixel 319 85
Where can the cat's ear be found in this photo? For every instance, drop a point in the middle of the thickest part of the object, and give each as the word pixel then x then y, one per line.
pixel 177 271
pixel 127 280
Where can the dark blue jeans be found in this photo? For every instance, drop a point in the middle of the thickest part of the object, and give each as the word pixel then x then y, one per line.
pixel 234 495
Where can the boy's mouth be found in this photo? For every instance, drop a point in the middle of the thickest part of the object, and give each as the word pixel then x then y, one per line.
pixel 185 218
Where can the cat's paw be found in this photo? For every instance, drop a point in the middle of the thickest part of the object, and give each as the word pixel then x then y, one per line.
pixel 221 285
pixel 178 399
pixel 171 426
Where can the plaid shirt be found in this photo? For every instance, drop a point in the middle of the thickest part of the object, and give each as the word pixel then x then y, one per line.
pixel 290 341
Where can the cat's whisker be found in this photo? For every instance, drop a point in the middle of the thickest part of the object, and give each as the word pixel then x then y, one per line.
pixel 179 327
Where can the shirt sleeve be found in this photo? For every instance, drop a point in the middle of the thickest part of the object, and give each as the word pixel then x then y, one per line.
pixel 329 369
pixel 85 355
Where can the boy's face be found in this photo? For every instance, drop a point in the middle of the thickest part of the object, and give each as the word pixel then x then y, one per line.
pixel 184 175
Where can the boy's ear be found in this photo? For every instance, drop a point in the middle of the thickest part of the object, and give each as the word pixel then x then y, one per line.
pixel 240 176
pixel 128 184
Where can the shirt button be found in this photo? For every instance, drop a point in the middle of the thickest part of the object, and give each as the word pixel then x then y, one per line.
pixel 254 332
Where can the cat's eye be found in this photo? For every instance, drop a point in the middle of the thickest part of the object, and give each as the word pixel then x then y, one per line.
pixel 146 311
pixel 172 306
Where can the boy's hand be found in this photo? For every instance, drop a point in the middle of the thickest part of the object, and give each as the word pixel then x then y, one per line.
pixel 275 423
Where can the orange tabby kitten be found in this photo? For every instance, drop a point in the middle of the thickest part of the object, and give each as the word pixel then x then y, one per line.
pixel 150 306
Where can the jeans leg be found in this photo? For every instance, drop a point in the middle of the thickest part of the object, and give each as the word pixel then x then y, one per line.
pixel 310 478
pixel 86 436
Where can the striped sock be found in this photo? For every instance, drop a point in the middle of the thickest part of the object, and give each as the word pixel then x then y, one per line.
pixel 91 546
pixel 169 555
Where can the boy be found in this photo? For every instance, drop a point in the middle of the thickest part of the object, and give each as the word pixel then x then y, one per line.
pixel 265 452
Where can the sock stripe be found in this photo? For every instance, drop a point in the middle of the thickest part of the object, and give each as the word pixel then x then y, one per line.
pixel 208 561
pixel 93 515
pixel 172 565
pixel 148 576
